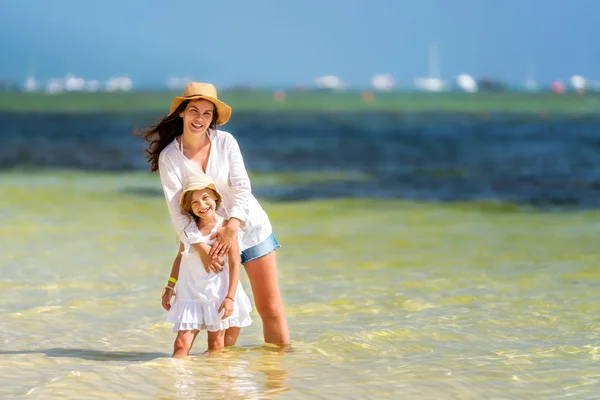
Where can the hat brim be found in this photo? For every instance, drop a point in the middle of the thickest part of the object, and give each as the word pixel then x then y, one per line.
pixel 199 186
pixel 223 109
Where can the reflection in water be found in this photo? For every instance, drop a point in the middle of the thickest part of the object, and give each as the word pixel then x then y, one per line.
pixel 271 363
pixel 91 354
pixel 185 383
pixel 231 374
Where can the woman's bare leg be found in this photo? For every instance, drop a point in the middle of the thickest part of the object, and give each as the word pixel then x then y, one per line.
pixel 262 273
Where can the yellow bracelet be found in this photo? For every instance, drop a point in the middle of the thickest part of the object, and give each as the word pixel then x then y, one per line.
pixel 173 280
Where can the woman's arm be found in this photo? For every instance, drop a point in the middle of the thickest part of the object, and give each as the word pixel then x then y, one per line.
pixel 196 241
pixel 234 278
pixel 209 263
pixel 171 186
pixel 239 182
pixel 242 191
pixel 170 287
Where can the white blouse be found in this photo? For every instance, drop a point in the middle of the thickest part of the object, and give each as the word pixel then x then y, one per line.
pixel 226 168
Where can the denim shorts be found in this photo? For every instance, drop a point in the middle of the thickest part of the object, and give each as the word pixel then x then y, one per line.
pixel 261 249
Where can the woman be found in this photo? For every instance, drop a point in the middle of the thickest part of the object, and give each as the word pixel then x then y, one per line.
pixel 187 142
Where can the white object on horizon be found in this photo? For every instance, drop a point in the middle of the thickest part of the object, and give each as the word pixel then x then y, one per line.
pixel 592 85
pixel 578 82
pixel 55 86
pixel 329 82
pixel 466 83
pixel 31 85
pixel 429 84
pixel 119 84
pixel 383 82
pixel 432 83
pixel 531 85
pixel 74 83
pixel 530 82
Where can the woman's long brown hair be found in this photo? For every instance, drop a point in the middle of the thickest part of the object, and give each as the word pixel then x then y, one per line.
pixel 165 131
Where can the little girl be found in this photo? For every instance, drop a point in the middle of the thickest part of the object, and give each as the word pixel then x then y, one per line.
pixel 204 300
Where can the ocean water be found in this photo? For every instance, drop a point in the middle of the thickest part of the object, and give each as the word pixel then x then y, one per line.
pixel 542 160
pixel 426 287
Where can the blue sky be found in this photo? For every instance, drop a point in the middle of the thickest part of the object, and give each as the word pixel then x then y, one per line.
pixel 284 42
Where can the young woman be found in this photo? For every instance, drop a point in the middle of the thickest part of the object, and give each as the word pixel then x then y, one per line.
pixel 187 142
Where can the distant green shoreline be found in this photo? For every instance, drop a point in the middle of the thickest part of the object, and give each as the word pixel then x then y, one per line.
pixel 263 101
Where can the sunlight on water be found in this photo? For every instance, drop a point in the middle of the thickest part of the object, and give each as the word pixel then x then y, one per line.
pixel 384 298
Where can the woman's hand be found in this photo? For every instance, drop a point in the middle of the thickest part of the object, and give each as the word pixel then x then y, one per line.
pixel 166 298
pixel 227 306
pixel 214 264
pixel 224 236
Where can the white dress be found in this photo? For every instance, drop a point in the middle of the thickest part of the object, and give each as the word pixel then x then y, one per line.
pixel 200 293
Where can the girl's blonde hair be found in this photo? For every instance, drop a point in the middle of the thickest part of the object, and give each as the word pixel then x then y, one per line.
pixel 186 203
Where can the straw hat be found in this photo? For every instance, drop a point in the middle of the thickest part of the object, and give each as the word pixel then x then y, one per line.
pixel 199 182
pixel 207 91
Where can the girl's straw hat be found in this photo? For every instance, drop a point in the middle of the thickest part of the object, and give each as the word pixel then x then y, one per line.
pixel 199 182
pixel 207 91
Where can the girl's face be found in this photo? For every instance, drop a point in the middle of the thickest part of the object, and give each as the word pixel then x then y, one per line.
pixel 197 116
pixel 204 203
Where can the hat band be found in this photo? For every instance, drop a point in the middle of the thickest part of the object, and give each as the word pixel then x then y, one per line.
pixel 194 95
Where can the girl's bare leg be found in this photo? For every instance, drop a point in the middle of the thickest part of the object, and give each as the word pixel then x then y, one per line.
pixel 231 335
pixel 183 343
pixel 262 274
pixel 216 340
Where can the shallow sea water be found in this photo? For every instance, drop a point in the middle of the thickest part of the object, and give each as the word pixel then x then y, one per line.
pixel 385 299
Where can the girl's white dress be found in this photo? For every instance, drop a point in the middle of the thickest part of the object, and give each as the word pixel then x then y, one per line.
pixel 200 293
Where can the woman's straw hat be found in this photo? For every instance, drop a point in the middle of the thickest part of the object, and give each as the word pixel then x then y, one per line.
pixel 199 182
pixel 207 91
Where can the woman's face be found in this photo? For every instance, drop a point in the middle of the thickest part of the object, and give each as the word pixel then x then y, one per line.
pixel 204 203
pixel 197 116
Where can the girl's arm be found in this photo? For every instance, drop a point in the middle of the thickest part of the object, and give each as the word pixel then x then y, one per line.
pixel 234 278
pixel 170 287
pixel 234 267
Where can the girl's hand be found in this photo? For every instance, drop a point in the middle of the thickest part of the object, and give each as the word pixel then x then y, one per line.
pixel 166 299
pixel 224 236
pixel 227 306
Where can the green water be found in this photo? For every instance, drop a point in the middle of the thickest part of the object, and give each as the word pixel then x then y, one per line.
pixel 385 299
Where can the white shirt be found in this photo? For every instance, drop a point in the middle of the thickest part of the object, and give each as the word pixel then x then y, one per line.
pixel 226 168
